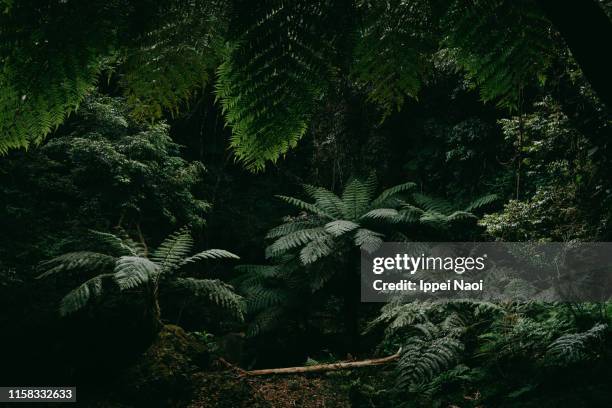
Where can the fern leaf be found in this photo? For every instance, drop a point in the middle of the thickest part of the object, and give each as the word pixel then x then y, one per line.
pixel 340 227
pixel 216 291
pixel 390 192
pixel 172 251
pixel 317 249
pixel 294 240
pixel 76 261
pixel 368 240
pixel 210 254
pixel 481 202
pixel 302 205
pixel 133 271
pixel 79 297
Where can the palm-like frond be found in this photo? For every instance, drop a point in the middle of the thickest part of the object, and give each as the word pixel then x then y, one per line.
pixel 424 358
pixel 368 240
pixel 317 249
pixel 302 205
pixel 78 298
pixel 210 254
pixel 481 202
pixel 575 347
pixel 433 204
pixel 274 70
pixel 76 261
pixel 289 227
pixel 133 271
pixel 216 291
pixel 294 240
pixel 390 192
pixel 327 200
pixel 172 251
pixel 386 214
pixel 356 196
pixel 340 227
pixel 120 245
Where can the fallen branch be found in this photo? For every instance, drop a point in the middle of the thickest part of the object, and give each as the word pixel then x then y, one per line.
pixel 327 367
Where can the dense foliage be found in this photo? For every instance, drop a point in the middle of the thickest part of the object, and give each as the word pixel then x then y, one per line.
pixel 136 134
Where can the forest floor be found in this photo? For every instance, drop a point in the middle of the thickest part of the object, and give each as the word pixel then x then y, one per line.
pixel 226 389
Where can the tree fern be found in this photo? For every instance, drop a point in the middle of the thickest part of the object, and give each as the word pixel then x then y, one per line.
pixel 273 72
pixel 173 59
pixel 575 347
pixel 134 271
pixel 389 58
pixel 499 54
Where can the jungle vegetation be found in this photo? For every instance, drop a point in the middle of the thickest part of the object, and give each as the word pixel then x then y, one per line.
pixel 139 137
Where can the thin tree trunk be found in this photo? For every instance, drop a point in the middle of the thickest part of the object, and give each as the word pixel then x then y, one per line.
pixel 327 367
pixel 587 30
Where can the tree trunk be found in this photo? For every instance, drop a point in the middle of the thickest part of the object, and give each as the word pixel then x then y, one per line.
pixel 587 30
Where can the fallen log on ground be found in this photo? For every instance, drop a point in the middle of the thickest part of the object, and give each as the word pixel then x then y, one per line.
pixel 326 367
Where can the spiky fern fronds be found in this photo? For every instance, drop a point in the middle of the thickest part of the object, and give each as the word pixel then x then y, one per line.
pixel 120 245
pixel 210 254
pixel 575 347
pixel 274 70
pixel 172 251
pixel 78 298
pixel 50 59
pixel 502 44
pixel 76 262
pixel 172 59
pixel 389 57
pixel 423 358
pixel 439 213
pixel 216 291
pixel 317 237
pixel 134 271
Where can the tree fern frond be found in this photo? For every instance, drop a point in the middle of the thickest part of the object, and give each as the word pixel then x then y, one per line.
pixel 210 254
pixel 216 291
pixel 76 261
pixel 317 249
pixel 78 298
pixel 387 214
pixel 481 202
pixel 500 62
pixel 259 298
pixel 133 271
pixel 302 205
pixel 294 240
pixel 356 196
pixel 274 70
pixel 120 246
pixel 327 200
pixel 288 228
pixel 340 227
pixel 424 358
pixel 390 192
pixel 433 204
pixel 368 240
pixel 172 251
pixel 575 347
